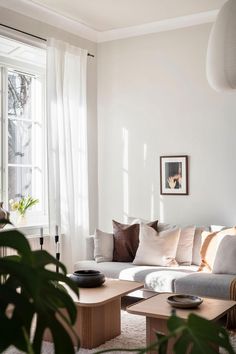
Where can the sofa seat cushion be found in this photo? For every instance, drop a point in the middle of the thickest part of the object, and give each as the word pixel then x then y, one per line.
pixel 161 279
pixel 205 284
pixel 109 269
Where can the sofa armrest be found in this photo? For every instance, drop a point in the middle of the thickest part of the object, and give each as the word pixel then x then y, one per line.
pixel 90 247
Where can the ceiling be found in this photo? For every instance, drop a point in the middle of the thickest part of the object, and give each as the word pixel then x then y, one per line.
pixel 105 15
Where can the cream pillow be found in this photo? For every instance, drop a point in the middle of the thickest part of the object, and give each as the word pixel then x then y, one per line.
pixel 103 246
pixel 184 252
pixel 225 260
pixel 210 245
pixel 156 248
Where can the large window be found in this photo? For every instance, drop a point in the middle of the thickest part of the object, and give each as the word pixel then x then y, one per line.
pixel 23 144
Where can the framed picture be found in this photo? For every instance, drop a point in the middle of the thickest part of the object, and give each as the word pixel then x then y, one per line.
pixel 174 175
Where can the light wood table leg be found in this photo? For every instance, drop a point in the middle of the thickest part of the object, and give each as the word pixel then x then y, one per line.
pixel 154 325
pixel 95 324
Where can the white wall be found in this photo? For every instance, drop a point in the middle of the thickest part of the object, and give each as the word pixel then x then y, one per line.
pixel 44 30
pixel 153 99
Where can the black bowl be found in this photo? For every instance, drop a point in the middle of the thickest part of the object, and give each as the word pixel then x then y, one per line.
pixel 88 278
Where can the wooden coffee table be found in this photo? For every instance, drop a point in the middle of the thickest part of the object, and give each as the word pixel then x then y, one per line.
pixel 157 312
pixel 99 312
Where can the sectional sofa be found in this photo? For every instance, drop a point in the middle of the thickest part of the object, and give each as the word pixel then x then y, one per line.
pixel 179 278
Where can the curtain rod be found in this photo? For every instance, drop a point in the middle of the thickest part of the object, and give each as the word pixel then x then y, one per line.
pixel 32 35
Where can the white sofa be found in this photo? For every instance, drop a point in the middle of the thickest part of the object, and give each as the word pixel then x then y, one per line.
pixel 178 279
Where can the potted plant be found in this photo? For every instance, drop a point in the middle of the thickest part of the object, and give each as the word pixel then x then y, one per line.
pixel 21 206
pixel 30 292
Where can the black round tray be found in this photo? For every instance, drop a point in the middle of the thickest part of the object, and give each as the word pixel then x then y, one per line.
pixel 184 301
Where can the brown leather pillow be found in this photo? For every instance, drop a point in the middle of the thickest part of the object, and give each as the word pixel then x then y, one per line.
pixel 126 240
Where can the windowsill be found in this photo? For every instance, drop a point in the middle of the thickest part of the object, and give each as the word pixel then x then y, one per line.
pixel 31 229
pixel 33 223
pixel 29 226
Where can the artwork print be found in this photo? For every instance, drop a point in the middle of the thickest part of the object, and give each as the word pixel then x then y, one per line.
pixel 174 175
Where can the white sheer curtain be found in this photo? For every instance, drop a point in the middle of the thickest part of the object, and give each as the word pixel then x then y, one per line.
pixel 67 147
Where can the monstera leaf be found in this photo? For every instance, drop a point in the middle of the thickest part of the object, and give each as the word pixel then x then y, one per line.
pixel 195 335
pixel 31 293
pixel 198 336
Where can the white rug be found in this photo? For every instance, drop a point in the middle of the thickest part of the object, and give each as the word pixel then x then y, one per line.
pixel 132 336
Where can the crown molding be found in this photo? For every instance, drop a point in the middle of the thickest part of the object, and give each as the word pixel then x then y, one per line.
pixel 46 15
pixel 159 26
pixel 50 17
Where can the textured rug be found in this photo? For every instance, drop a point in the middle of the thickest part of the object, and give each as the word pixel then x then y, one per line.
pixel 132 336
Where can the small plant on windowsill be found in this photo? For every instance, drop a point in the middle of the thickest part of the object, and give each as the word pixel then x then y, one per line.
pixel 21 206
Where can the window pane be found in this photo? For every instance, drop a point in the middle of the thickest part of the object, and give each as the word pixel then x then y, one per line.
pixel 19 95
pixel 19 182
pixel 19 142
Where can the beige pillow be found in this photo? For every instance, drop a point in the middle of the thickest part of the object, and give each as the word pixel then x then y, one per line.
pixel 197 244
pixel 103 246
pixel 210 245
pixel 184 252
pixel 157 248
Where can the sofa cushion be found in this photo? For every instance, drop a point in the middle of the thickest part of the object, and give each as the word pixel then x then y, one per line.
pixel 153 224
pixel 161 279
pixel 197 244
pixel 156 248
pixel 225 260
pixel 205 284
pixel 162 226
pixel 155 278
pixel 89 247
pixel 109 269
pixel 185 245
pixel 103 246
pixel 217 228
pixel 210 244
pixel 134 220
pixel 126 240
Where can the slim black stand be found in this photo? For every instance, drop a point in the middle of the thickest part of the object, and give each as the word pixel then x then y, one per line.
pixel 57 248
pixel 41 238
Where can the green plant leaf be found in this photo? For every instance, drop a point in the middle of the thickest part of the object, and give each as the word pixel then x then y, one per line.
pixel 62 340
pixel 163 343
pixel 182 343
pixel 16 240
pixel 175 322
pixel 39 296
pixel 205 335
pixel 42 258
pixel 21 316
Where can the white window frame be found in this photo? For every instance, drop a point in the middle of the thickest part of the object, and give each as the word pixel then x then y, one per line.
pixel 33 217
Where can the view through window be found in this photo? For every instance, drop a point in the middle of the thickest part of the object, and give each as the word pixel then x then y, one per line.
pixel 23 142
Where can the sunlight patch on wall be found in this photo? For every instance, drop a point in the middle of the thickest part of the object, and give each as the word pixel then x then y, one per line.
pixel 161 217
pixel 152 203
pixel 144 154
pixel 125 174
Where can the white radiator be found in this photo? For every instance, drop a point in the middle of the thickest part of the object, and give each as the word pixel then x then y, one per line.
pixel 48 245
